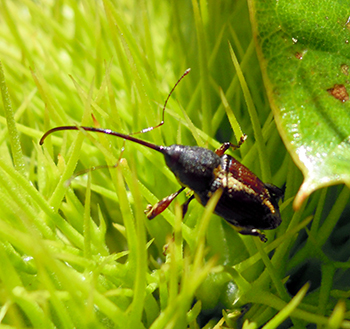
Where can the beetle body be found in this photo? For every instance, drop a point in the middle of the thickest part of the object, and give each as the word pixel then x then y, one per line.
pixel 246 202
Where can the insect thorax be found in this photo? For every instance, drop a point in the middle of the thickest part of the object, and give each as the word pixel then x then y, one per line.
pixel 193 166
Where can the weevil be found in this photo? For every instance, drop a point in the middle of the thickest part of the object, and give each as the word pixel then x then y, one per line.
pixel 246 203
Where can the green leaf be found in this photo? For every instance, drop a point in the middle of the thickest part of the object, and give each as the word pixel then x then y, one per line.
pixel 304 53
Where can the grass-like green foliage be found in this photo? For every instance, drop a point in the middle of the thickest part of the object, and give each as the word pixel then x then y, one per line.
pixel 85 255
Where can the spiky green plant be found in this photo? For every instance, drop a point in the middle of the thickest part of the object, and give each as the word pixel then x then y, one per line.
pixel 83 254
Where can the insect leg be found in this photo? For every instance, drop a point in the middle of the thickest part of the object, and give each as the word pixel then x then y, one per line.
pixel 225 146
pixel 185 205
pixel 161 205
pixel 254 232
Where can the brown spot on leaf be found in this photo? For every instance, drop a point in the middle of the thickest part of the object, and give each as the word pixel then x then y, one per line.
pixel 344 69
pixel 339 92
pixel 298 55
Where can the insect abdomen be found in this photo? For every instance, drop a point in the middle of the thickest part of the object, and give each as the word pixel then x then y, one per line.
pixel 246 201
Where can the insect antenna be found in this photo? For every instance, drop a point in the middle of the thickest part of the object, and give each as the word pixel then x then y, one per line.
pixel 145 130
pixel 113 133
pixel 164 106
pixel 124 136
